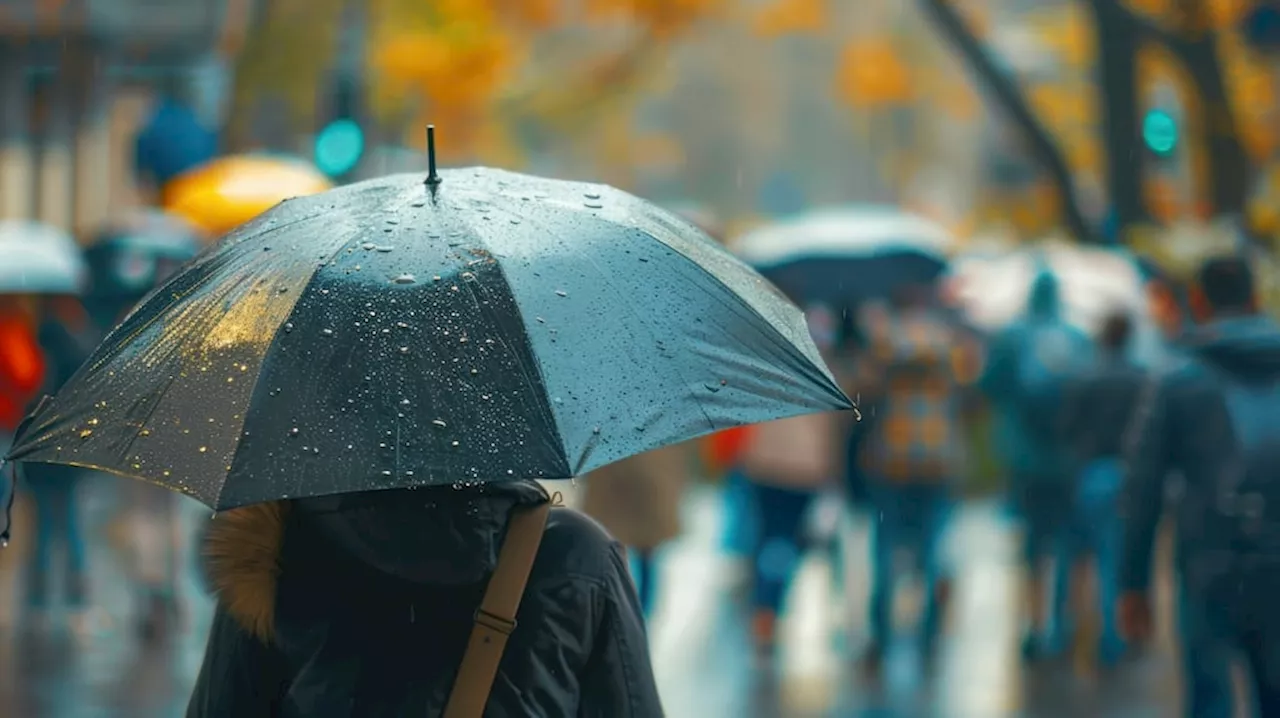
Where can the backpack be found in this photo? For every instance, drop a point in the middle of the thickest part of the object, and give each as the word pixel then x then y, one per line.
pixel 1246 506
pixel 1048 358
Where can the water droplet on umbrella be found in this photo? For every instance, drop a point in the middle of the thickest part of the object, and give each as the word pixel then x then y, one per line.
pixel 283 290
pixel 475 372
pixel 144 432
pixel 404 402
pixel 266 249
pixel 561 293
pixel 327 332
pixel 454 443
pixel 515 220
pixel 439 422
pixel 368 246
pixel 593 205
pixel 591 195
pixel 404 350
pixel 385 249
pixel 293 431
pixel 203 449
pixel 436 278
pixel 386 472
pixel 712 387
pixel 405 279
pixel 418 204
pixel 93 421
pixel 595 430
pixel 288 327
pixel 467 275
pixel 86 433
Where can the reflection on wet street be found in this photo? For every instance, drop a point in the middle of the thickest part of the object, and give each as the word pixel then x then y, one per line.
pixel 701 649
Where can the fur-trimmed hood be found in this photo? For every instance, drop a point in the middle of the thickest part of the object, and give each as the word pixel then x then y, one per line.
pixel 425 536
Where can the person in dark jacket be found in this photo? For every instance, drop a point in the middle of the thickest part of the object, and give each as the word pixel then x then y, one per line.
pixel 361 605
pixel 1100 408
pixel 66 336
pixel 1030 438
pixel 1191 421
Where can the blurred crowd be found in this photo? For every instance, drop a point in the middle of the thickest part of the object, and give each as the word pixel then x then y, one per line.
pixel 1088 412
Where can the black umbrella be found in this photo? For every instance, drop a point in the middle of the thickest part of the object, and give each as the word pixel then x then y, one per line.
pixel 394 333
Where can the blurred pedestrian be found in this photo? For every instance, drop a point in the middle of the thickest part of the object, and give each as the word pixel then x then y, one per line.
pixel 786 464
pixel 637 500
pixel 1100 408
pixel 1028 367
pixel 66 337
pixel 292 637
pixel 1216 419
pixel 912 457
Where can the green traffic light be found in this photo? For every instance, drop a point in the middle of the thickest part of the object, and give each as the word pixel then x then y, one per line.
pixel 1160 132
pixel 338 147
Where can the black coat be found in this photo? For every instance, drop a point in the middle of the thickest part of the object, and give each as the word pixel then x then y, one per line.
pixel 363 610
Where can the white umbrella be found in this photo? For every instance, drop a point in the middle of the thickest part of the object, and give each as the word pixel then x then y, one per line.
pixel 36 258
pixel 992 290
pixel 843 232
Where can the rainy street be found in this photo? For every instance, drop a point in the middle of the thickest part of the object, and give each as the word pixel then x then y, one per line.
pixel 701 652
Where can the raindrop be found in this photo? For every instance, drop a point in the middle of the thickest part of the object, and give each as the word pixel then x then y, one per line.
pixel 404 402
pixel 453 443
pixel 593 205
pixel 595 430
pixel 204 449
pixel 86 433
pixel 327 332
pixel 515 220
pixel 266 249
pixel 404 350
pixel 402 325
pixel 368 245
pixel 288 327
pixel 561 293
pixel 510 472
pixel 283 290
pixel 93 421
pixel 468 275
pixel 386 472
pixel 591 195
pixel 436 278
pixel 405 279
pixel 393 221
pixel 385 249
pixel 439 422
pixel 475 372
pixel 418 204
pixel 293 431
pixel 144 432
pixel 713 388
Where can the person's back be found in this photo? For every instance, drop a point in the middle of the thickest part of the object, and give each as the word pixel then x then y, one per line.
pixel 1028 366
pixel 362 606
pixel 1101 403
pixel 1215 420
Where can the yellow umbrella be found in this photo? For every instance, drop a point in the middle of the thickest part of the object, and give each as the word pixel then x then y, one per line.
pixel 223 194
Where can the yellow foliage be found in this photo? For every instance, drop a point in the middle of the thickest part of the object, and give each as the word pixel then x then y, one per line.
pixel 872 74
pixel 785 17
pixel 662 18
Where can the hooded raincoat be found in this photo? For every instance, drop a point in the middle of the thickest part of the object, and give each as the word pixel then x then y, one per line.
pixel 360 606
pixel 1027 452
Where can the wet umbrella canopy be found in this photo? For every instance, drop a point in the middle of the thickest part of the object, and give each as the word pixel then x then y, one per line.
pixel 396 333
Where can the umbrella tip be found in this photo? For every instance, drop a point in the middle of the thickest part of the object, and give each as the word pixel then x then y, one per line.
pixel 433 179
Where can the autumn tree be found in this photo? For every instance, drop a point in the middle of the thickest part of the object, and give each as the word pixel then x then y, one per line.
pixel 1190 32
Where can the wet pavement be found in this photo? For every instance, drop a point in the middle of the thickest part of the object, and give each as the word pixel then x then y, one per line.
pixel 700 647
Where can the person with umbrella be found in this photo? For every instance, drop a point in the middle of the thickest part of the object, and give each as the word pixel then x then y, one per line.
pixel 128 259
pixel 391 367
pixel 43 272
pixel 912 454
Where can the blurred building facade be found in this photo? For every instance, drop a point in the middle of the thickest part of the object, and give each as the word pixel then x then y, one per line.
pixel 76 80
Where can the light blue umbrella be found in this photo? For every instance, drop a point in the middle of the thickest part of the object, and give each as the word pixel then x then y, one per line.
pixel 37 258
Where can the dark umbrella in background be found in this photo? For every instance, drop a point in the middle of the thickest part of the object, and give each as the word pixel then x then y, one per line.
pixel 131 256
pixel 844 256
pixel 481 326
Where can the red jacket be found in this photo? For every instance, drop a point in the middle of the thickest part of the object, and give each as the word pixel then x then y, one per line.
pixel 22 370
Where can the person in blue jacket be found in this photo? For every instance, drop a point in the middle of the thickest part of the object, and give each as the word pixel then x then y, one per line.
pixel 1028 368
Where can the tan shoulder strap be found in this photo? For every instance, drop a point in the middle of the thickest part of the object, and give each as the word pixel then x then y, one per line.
pixel 496 617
